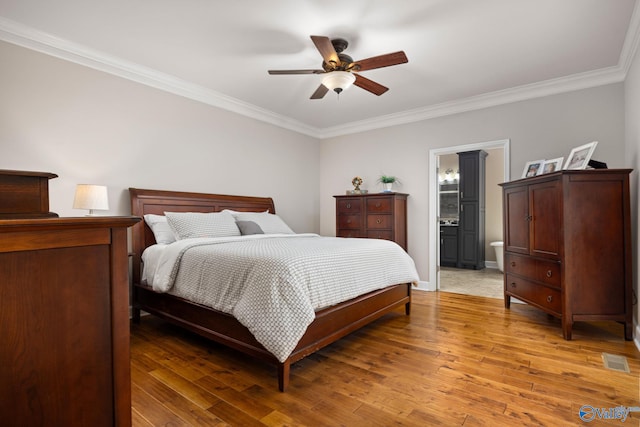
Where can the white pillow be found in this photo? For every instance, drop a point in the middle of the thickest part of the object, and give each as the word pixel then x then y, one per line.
pixel 187 225
pixel 269 223
pixel 160 227
pixel 236 213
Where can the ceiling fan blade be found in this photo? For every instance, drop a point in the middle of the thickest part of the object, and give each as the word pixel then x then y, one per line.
pixel 324 46
pixel 320 92
pixel 381 61
pixel 296 71
pixel 370 85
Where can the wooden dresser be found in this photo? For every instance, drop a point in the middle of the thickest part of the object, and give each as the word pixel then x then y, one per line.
pixel 64 322
pixel 567 242
pixel 373 216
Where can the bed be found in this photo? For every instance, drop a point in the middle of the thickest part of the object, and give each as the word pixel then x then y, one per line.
pixel 327 325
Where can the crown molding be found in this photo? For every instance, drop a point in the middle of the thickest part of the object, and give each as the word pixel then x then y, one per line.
pixel 570 83
pixel 33 39
pixel 21 35
pixel 520 93
pixel 631 40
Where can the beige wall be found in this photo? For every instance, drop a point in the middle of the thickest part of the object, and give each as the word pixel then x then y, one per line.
pixel 493 200
pixel 92 127
pixel 546 127
pixel 632 160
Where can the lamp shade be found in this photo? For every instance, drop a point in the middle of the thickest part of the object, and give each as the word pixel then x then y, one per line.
pixel 338 81
pixel 92 197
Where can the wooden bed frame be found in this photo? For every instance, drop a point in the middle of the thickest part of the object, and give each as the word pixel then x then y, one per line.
pixel 329 325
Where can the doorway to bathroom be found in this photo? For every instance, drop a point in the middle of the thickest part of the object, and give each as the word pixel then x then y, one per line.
pixel 442 189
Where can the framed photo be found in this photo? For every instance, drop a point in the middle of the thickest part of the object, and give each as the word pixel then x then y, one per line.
pixel 580 156
pixel 532 168
pixel 552 165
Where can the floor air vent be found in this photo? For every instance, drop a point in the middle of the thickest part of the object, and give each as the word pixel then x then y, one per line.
pixel 615 362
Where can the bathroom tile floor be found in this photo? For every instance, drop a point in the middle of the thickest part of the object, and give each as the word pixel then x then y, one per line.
pixel 487 282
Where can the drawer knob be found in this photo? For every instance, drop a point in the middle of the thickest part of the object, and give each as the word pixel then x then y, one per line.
pixel 378 205
pixel 348 205
pixel 513 284
pixel 513 263
pixel 549 273
pixel 549 298
pixel 378 221
pixel 348 221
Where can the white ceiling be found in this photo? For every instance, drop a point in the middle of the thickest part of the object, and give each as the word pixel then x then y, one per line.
pixel 463 54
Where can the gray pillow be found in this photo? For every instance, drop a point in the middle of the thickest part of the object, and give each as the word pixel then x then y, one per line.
pixel 249 227
pixel 269 223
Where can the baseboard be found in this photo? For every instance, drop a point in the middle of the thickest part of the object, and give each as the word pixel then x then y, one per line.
pixel 425 286
pixel 491 264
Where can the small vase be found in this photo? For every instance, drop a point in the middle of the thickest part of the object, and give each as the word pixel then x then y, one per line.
pixel 388 187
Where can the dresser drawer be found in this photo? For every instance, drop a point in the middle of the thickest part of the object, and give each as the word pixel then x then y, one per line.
pixel 373 216
pixel 380 234
pixel 348 206
pixel 544 271
pixel 548 272
pixel 348 233
pixel 379 221
pixel 379 205
pixel 517 264
pixel 545 297
pixel 349 221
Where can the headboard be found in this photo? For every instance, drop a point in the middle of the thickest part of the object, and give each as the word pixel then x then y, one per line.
pixel 158 202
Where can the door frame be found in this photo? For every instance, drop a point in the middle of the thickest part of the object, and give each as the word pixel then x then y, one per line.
pixel 434 229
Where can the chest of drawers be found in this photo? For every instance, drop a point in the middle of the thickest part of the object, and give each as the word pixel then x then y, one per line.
pixel 568 245
pixel 373 216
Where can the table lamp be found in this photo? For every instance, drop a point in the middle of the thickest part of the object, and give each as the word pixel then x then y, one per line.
pixel 91 197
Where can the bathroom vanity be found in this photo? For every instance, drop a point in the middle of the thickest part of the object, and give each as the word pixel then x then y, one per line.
pixel 448 244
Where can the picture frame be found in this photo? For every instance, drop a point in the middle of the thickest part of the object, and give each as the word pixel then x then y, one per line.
pixel 532 168
pixel 552 165
pixel 580 156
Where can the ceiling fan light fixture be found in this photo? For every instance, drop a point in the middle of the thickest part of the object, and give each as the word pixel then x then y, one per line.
pixel 338 68
pixel 338 81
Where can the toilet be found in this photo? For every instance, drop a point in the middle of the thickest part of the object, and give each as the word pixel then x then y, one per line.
pixel 499 248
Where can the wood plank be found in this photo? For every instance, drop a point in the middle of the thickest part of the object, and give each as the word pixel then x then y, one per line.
pixel 173 401
pixel 152 410
pixel 456 360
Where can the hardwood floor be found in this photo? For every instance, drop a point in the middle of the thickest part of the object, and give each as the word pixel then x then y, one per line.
pixel 456 360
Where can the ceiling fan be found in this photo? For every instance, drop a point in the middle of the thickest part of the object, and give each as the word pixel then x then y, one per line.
pixel 340 68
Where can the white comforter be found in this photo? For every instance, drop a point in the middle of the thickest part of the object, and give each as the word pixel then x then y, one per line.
pixel 273 284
